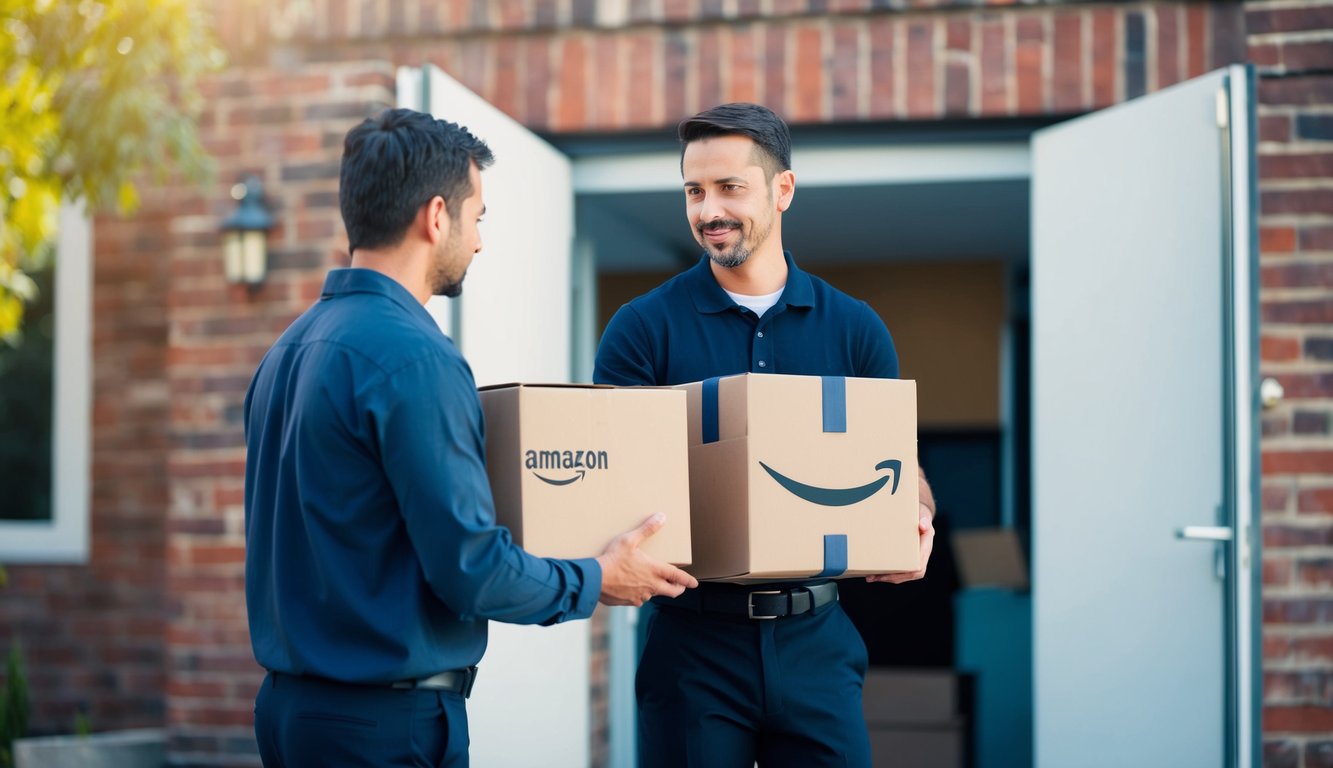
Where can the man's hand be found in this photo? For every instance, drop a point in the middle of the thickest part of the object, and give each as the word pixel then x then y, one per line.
pixel 630 577
pixel 926 533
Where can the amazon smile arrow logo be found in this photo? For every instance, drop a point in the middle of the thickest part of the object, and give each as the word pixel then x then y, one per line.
pixel 566 481
pixel 838 497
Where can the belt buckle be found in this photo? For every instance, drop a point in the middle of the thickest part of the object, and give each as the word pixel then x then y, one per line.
pixel 749 603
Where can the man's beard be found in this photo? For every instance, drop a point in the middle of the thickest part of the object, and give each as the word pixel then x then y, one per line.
pixel 738 253
pixel 440 282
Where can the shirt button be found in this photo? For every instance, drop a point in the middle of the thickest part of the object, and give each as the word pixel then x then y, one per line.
pixel 762 364
pixel 761 334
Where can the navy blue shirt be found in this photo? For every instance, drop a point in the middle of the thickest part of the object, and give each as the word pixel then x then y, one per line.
pixel 372 552
pixel 688 329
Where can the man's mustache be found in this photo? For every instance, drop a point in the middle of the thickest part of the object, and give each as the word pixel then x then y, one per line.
pixel 718 225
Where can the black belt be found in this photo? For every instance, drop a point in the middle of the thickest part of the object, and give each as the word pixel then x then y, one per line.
pixel 453 681
pixel 757 604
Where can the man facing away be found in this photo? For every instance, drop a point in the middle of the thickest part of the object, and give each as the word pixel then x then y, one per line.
pixel 373 559
pixel 717 686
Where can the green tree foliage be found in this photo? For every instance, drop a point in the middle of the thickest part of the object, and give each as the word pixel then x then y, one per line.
pixel 93 94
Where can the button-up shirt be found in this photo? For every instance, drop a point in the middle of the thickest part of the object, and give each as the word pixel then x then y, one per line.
pixel 372 551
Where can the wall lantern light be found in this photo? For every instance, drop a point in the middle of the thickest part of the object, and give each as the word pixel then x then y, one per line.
pixel 245 234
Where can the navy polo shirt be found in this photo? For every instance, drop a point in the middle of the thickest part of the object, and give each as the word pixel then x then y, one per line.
pixel 688 329
pixel 372 552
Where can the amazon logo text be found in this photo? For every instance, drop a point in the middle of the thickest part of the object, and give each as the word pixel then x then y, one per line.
pixel 576 462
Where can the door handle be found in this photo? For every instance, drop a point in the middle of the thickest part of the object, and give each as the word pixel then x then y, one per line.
pixel 1205 533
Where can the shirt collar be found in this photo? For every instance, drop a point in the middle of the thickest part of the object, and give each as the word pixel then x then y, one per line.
pixel 709 298
pixel 349 280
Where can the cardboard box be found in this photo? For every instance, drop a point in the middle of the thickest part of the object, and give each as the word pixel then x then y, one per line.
pixel 802 476
pixel 573 466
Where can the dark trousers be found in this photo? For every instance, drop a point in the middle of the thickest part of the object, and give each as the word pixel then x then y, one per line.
pixel 302 721
pixel 722 692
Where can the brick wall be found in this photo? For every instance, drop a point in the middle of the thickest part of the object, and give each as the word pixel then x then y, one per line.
pixel 659 61
pixel 1291 44
pixel 93 636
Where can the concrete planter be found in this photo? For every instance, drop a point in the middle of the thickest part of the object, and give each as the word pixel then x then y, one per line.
pixel 139 748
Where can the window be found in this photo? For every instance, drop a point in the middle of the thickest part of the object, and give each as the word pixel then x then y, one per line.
pixel 45 410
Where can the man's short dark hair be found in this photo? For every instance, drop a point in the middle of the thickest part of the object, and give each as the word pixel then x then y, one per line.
pixel 394 163
pixel 772 139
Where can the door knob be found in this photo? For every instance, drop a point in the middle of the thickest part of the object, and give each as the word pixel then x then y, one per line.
pixel 1205 533
pixel 1270 393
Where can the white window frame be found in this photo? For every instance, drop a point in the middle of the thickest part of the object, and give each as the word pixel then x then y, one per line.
pixel 64 538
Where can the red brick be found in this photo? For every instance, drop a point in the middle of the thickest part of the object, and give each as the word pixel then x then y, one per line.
pixel 1297 610
pixel 1304 165
pixel 775 68
pixel 536 55
pixel 957 89
pixel 570 101
pixel 1265 54
pixel 1318 648
pixel 1275 498
pixel 607 76
pixel 1315 501
pixel 1298 719
pixel 921 89
pixel 844 75
pixel 1298 311
pixel 744 82
pixel 708 69
pixel 807 104
pixel 1296 201
pixel 1296 91
pixel 1292 462
pixel 642 83
pixel 1168 45
pixel 1067 90
pixel 1261 20
pixel 1297 536
pixel 882 67
pixel 1316 238
pixel 1031 78
pixel 1316 573
pixel 1277 240
pixel 1276 573
pixel 1196 22
pixel 1288 274
pixel 504 94
pixel 994 69
pixel 1302 385
pixel 958 34
pixel 1104 66
pixel 1306 56
pixel 677 64
pixel 1276 349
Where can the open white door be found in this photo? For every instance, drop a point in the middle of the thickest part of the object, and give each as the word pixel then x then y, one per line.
pixel 531 703
pixel 1143 440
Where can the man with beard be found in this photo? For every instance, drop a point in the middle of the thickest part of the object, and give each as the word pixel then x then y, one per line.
pixel 373 559
pixel 718 685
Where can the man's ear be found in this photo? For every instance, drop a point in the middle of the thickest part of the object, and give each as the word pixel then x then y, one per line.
pixel 785 189
pixel 434 220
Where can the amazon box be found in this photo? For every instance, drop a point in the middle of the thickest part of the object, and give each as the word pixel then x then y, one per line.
pixel 573 466
pixel 802 476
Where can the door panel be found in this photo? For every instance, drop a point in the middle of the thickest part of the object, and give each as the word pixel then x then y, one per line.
pixel 1131 405
pixel 531 705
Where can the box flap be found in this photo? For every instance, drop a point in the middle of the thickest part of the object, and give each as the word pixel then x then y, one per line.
pixel 565 385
